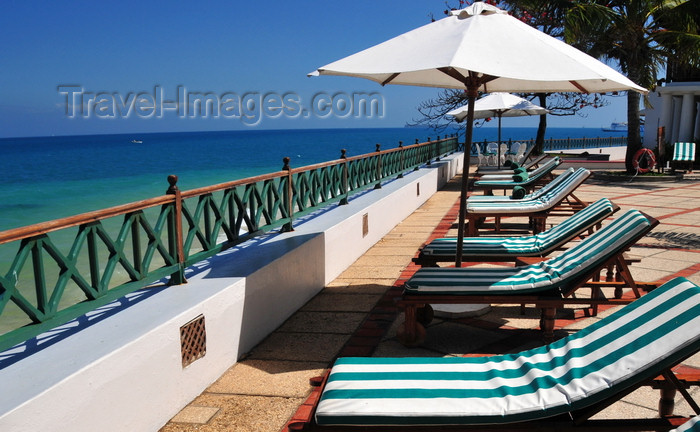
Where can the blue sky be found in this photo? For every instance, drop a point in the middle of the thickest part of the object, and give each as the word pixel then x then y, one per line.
pixel 66 65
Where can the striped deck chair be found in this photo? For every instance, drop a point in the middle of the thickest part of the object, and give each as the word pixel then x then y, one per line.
pixel 556 387
pixel 533 178
pixel 557 198
pixel 533 195
pixel 547 284
pixel 529 166
pixel 511 248
pixel 684 152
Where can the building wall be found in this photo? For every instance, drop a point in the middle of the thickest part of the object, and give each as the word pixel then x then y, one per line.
pixel 676 107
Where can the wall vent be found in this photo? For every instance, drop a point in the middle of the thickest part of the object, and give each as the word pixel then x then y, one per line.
pixel 193 341
pixel 365 224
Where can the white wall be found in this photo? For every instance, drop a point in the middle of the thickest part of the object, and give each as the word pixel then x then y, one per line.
pixel 675 107
pixel 124 372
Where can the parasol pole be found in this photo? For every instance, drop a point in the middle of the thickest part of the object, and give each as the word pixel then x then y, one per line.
pixel 472 91
pixel 499 114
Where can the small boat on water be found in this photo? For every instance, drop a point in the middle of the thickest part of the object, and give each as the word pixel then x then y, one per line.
pixel 137 141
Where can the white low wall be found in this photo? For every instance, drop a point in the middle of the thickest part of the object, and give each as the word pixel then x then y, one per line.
pixel 616 153
pixel 123 372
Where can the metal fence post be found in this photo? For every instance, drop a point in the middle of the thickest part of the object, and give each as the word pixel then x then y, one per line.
pixel 289 196
pixel 437 149
pixel 175 240
pixel 401 159
pixel 379 167
pixel 417 157
pixel 430 152
pixel 345 191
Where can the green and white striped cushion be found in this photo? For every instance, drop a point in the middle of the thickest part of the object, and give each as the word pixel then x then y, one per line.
pixel 631 345
pixel 692 425
pixel 534 195
pixel 534 245
pixel 684 151
pixel 555 273
pixel 545 201
pixel 532 177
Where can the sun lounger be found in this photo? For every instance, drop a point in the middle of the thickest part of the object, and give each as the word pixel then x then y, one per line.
pixel 535 194
pixel 511 248
pixel 547 284
pixel 524 180
pixel 558 198
pixel 556 387
pixel 508 172
pixel 684 152
pixel 529 166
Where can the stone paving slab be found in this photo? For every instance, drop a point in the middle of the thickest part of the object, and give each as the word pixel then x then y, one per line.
pixel 301 347
pixel 323 322
pixel 241 413
pixel 368 287
pixel 342 302
pixel 268 378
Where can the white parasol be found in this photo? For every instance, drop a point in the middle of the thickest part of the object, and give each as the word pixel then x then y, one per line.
pixel 499 105
pixel 480 48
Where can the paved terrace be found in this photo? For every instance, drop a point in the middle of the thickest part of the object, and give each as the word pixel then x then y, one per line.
pixel 356 316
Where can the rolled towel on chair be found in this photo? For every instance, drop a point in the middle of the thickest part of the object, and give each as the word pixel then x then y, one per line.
pixel 519 170
pixel 508 163
pixel 518 192
pixel 513 165
pixel 520 177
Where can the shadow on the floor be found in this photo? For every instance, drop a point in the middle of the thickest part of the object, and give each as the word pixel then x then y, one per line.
pixel 677 239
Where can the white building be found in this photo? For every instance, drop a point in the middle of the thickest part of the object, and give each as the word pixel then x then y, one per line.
pixel 675 107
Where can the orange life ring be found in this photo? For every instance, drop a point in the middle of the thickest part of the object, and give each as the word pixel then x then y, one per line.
pixel 644 154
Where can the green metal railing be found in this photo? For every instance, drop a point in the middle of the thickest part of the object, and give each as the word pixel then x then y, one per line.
pixel 62 269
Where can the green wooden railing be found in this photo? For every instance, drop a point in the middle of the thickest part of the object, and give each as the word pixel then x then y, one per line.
pixel 60 270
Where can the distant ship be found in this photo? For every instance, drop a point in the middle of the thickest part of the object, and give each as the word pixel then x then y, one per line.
pixel 620 127
pixel 616 127
pixel 141 142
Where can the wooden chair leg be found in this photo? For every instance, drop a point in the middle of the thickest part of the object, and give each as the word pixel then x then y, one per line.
pixel 411 333
pixel 667 401
pixel 472 229
pixel 547 323
pixel 624 274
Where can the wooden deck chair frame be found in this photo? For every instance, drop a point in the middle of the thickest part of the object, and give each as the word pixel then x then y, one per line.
pixel 418 311
pixel 537 221
pixel 574 415
pixel 593 222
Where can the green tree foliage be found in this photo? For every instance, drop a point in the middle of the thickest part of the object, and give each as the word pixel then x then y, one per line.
pixel 640 36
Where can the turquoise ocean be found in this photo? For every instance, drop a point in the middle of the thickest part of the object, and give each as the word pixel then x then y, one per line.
pixel 52 177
